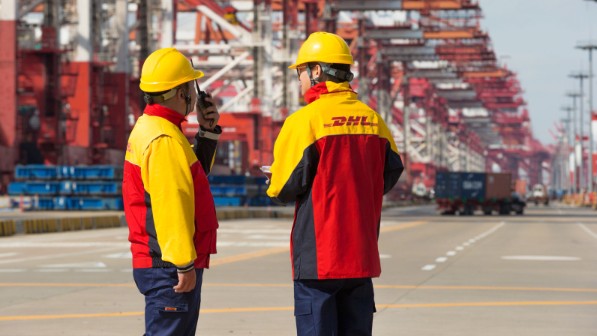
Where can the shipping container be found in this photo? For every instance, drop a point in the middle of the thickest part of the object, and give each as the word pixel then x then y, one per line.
pixel 520 186
pixel 498 185
pixel 466 192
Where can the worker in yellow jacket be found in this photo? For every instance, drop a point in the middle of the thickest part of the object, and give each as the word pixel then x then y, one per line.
pixel 167 201
pixel 335 158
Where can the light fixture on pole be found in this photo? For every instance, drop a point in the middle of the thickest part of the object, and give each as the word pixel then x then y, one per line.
pixel 590 47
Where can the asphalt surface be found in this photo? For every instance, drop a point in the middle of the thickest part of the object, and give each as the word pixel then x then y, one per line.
pixel 442 275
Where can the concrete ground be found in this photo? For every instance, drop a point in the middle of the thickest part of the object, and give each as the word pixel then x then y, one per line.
pixel 442 275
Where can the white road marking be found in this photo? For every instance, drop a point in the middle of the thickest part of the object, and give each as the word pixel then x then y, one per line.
pixel 252 244
pixel 385 256
pixel 10 254
pixel 284 237
pixel 254 231
pixel 56 256
pixel 51 270
pixel 540 258
pixel 92 264
pixel 93 270
pixel 122 255
pixel 25 244
pixel 587 230
pixel 471 241
pixel 428 267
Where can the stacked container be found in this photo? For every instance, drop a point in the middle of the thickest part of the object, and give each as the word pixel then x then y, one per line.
pixel 97 187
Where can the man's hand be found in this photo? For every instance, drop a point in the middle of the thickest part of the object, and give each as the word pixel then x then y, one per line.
pixel 208 117
pixel 186 281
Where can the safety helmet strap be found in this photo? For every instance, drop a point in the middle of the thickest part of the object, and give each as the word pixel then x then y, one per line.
pixel 314 81
pixel 156 99
pixel 340 74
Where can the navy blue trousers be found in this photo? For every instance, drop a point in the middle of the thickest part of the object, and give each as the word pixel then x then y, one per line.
pixel 166 312
pixel 342 307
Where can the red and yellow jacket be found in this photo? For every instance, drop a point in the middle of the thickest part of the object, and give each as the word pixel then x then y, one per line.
pixel 167 201
pixel 336 159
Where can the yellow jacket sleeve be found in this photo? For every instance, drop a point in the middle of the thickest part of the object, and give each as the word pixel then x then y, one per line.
pixel 167 177
pixel 295 159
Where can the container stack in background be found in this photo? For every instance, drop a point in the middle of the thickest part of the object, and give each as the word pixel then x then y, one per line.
pixel 99 187
pixel 239 190
pixel 41 187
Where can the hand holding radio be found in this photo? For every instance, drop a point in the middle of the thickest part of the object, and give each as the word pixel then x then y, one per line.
pixel 207 113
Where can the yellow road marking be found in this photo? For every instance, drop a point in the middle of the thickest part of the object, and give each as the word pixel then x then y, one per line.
pixel 290 308
pixel 488 304
pixel 241 285
pixel 67 316
pixel 402 226
pixel 50 284
pixel 246 285
pixel 492 288
pixel 277 250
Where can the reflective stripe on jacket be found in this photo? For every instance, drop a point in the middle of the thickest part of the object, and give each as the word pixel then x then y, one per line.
pixel 336 159
pixel 167 201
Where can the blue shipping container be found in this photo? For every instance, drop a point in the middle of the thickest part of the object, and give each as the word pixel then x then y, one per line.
pixel 94 203
pixel 473 186
pixel 36 172
pixel 229 201
pixel 227 179
pixel 447 185
pixel 96 188
pixel 99 172
pixel 459 185
pixel 33 188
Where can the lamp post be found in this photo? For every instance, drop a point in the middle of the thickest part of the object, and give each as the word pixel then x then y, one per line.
pixel 581 76
pixel 590 47
pixel 563 172
pixel 574 96
pixel 570 137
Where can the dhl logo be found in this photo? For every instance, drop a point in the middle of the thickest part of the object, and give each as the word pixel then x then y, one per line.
pixel 350 121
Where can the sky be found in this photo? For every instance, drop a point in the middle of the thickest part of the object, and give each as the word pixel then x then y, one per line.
pixel 537 39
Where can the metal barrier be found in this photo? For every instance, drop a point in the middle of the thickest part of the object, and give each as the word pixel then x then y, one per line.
pixel 7 228
pixel 30 226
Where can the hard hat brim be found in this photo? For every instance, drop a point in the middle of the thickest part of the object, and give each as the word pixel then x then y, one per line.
pixel 161 86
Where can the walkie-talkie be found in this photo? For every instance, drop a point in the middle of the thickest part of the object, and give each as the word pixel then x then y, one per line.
pixel 201 95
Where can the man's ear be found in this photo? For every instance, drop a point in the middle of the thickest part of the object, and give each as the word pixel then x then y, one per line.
pixel 317 71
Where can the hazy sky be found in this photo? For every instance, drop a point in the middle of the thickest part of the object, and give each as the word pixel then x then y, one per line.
pixel 536 39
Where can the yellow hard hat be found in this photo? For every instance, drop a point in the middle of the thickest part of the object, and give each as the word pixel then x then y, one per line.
pixel 165 69
pixel 323 47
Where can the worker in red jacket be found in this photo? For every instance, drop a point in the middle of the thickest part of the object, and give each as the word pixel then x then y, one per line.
pixel 335 158
pixel 167 201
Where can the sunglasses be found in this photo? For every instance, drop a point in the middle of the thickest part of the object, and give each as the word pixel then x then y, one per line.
pixel 300 69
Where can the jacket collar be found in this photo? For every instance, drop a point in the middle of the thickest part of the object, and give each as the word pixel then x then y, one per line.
pixel 324 88
pixel 156 110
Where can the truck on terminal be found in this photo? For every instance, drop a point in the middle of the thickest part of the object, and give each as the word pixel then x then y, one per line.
pixel 464 193
pixel 539 195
